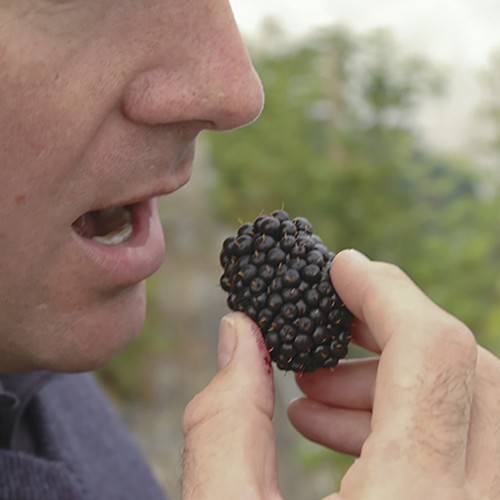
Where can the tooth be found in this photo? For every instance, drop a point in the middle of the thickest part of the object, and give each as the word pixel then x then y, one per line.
pixel 116 237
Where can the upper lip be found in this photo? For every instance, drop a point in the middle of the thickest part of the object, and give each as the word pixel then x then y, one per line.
pixel 137 198
pixel 171 181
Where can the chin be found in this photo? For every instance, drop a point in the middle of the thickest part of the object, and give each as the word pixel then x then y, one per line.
pixel 97 336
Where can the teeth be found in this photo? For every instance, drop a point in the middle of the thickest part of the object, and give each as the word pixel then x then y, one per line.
pixel 116 237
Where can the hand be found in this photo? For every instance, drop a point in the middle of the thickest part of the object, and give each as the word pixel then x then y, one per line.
pixel 423 417
pixel 229 444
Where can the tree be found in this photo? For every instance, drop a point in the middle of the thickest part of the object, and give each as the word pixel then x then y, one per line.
pixel 335 140
pixel 490 113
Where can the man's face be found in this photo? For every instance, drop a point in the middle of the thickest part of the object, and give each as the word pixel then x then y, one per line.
pixel 100 105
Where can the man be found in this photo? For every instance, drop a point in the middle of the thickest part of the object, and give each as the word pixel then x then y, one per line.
pixel 101 102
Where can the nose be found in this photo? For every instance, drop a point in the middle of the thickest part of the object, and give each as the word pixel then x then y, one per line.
pixel 196 69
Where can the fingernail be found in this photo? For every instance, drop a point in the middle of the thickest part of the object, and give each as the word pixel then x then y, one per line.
pixel 227 342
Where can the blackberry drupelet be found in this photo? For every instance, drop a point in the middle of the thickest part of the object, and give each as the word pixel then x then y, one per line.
pixel 277 272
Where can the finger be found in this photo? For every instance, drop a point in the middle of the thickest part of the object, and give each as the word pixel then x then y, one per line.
pixel 483 454
pixel 363 337
pixel 381 297
pixel 229 440
pixel 351 385
pixel 425 377
pixel 337 428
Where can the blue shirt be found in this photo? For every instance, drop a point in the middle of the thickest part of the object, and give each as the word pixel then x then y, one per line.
pixel 61 440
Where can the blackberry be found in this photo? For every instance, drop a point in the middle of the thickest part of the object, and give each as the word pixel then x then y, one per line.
pixel 277 272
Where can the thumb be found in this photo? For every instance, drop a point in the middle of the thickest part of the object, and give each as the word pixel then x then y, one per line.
pixel 228 436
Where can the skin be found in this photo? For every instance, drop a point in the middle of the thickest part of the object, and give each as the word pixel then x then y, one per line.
pixel 103 101
pixel 422 415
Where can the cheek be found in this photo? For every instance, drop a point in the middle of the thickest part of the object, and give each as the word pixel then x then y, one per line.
pixel 35 156
pixel 53 97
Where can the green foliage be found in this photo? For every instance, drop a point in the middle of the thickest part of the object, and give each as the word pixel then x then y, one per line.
pixel 334 129
pixel 490 112
pixel 491 107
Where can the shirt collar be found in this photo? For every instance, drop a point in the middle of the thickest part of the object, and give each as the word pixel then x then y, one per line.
pixel 16 391
pixel 8 400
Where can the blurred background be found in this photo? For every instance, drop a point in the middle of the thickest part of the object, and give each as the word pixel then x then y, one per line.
pixel 382 126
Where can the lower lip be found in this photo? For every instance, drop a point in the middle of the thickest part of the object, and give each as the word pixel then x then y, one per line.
pixel 133 260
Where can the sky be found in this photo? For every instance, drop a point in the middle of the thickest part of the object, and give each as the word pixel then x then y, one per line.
pixel 454 31
pixel 459 34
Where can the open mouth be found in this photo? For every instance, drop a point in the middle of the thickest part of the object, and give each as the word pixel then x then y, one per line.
pixel 111 226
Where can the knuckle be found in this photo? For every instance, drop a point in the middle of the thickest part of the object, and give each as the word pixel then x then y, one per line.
pixel 458 337
pixel 189 416
pixel 198 411
pixel 447 331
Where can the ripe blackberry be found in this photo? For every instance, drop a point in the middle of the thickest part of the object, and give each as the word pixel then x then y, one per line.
pixel 277 272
